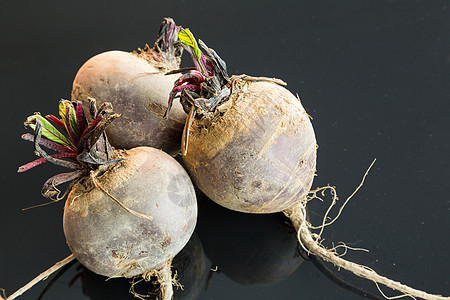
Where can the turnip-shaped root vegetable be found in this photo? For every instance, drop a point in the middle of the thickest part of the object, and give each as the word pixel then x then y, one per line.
pixel 249 145
pixel 263 146
pixel 129 212
pixel 137 87
pixel 252 147
pixel 111 241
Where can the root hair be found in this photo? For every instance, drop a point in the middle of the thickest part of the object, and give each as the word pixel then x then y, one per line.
pixel 335 198
pixel 44 275
pixel 311 243
pixel 163 277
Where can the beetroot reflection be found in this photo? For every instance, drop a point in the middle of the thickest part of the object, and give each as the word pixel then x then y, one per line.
pixel 252 250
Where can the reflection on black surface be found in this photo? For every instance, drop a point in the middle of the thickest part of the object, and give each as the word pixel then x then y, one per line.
pixel 189 265
pixel 256 250
pixel 253 250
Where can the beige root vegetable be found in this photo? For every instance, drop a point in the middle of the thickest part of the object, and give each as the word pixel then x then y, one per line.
pixel 137 86
pixel 129 212
pixel 111 241
pixel 250 146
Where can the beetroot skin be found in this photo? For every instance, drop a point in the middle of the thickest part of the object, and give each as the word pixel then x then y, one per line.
pixel 111 241
pixel 258 153
pixel 137 88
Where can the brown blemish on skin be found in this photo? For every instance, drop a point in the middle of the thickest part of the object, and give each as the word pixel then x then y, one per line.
pixel 256 183
pixel 156 108
pixel 184 228
pixel 116 254
pixel 166 241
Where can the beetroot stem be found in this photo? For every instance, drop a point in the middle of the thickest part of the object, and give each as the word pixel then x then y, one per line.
pixel 81 120
pixel 48 144
pixel 56 121
pixel 42 160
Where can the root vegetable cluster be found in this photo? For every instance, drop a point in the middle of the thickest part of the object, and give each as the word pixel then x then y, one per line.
pixel 246 142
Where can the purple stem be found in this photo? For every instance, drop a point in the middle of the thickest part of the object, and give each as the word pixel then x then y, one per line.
pixel 38 149
pixel 42 160
pixel 176 90
pixel 55 121
pixel 81 120
pixel 194 59
pixel 48 144
pixel 87 133
pixel 194 76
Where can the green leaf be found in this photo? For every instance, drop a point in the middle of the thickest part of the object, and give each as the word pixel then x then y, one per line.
pixel 68 116
pixel 49 131
pixel 187 38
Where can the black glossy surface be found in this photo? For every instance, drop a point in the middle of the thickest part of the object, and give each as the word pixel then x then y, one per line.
pixel 374 75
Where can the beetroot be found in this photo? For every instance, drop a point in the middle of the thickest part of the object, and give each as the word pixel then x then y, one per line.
pixel 112 242
pixel 258 156
pixel 137 87
pixel 129 212
pixel 249 145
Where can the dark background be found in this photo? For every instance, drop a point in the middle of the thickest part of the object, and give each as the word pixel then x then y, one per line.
pixel 374 76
